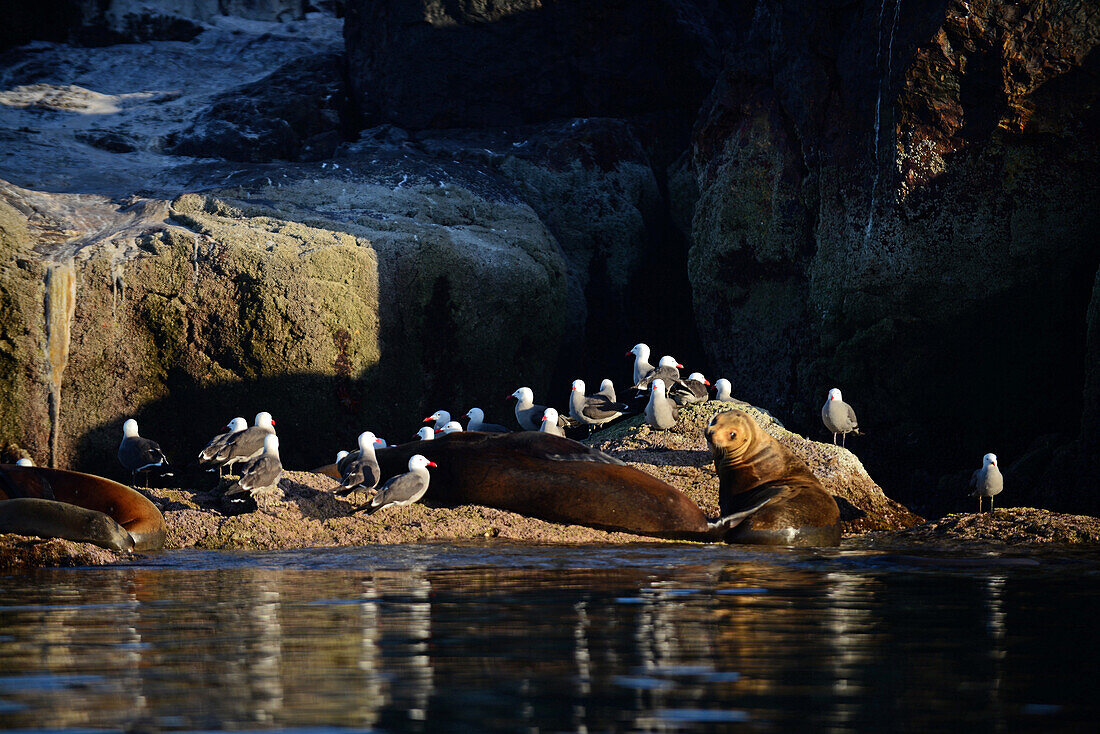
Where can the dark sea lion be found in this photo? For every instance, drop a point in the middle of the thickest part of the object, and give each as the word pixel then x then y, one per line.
pixel 782 502
pixel 329 470
pixel 551 478
pixel 52 519
pixel 130 509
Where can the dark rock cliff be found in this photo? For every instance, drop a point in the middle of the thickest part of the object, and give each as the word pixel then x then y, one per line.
pixel 492 63
pixel 901 199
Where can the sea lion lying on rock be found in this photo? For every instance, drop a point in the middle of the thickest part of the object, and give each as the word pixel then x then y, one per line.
pixel 82 507
pixel 552 478
pixel 782 502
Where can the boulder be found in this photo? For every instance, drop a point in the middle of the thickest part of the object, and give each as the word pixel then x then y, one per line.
pixel 901 200
pixel 184 313
pixel 681 457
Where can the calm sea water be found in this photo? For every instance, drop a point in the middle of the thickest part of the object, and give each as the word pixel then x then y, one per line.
pixel 496 637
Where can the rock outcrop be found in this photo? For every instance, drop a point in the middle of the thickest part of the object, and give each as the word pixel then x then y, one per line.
pixel 298 112
pixel 680 456
pixel 236 206
pixel 339 284
pixel 901 200
pixel 105 22
pixel 185 312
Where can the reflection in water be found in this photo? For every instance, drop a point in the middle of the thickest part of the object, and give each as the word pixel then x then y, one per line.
pixel 640 638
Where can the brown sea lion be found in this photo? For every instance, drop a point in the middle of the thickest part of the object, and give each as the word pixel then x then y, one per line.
pixel 760 478
pixel 551 478
pixel 52 519
pixel 130 509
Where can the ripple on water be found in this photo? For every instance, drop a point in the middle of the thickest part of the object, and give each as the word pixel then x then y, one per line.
pixel 506 637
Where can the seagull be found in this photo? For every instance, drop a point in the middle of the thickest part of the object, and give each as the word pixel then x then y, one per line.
pixel 607 389
pixel 987 481
pixel 477 423
pixel 668 369
pixel 206 456
pixel 550 423
pixel 528 414
pixel 839 417
pixel 450 427
pixel 24 462
pixel 660 412
pixel 362 471
pixel 427 433
pixel 137 454
pixel 404 489
pixel 439 419
pixel 723 391
pixel 692 390
pixel 260 475
pixel 642 367
pixel 248 444
pixel 592 410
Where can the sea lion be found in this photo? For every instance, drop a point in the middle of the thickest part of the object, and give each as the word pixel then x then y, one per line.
pixel 552 478
pixel 783 502
pixel 51 519
pixel 130 509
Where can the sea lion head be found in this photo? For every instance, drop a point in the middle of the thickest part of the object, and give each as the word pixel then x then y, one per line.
pixel 102 530
pixel 730 434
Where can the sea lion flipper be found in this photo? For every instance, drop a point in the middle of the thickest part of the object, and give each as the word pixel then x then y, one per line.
pixel 761 499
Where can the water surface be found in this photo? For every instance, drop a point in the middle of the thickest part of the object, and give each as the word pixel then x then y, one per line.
pixel 442 637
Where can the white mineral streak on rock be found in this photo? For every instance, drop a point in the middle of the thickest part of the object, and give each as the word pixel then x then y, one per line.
pixel 60 307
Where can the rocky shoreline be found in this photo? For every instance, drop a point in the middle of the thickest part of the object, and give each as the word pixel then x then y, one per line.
pixel 309 515
pixel 260 204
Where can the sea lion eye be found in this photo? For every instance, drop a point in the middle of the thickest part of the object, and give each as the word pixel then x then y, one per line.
pixel 733 434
